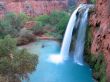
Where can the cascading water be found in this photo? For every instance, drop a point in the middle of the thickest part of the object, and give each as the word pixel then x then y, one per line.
pixel 79 47
pixel 68 35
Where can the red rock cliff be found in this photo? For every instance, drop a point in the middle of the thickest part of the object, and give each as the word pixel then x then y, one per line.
pixel 32 7
pixel 100 21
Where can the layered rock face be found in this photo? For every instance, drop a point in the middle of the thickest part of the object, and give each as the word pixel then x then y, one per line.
pixel 32 7
pixel 100 21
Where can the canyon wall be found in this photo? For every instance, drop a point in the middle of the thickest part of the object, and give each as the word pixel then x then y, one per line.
pixel 32 7
pixel 100 21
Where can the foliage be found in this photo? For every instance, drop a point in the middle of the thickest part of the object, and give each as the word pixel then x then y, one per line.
pixel 88 42
pixel 25 37
pixel 58 20
pixel 55 17
pixel 99 68
pixel 11 24
pixel 24 62
pixel 38 27
pixel 15 61
pixel 42 20
pixel 7 46
pixel 93 1
pixel 61 26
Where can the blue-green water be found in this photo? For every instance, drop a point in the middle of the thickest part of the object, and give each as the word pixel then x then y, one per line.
pixel 47 71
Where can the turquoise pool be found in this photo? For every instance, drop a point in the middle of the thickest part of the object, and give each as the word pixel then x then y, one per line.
pixel 47 71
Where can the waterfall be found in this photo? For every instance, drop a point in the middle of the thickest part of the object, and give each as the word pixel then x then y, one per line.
pixel 79 47
pixel 78 54
pixel 68 35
